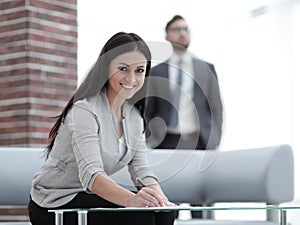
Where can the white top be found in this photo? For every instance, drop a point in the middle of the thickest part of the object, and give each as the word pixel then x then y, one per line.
pixel 122 146
pixel 187 112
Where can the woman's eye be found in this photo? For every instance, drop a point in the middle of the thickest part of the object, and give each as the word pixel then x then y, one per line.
pixel 140 70
pixel 122 68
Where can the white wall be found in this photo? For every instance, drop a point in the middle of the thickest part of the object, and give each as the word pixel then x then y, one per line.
pixel 257 60
pixel 295 72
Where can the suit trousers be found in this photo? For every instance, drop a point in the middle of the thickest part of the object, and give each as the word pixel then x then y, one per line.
pixel 178 141
pixel 40 216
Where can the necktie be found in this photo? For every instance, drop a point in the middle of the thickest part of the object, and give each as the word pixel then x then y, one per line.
pixel 173 120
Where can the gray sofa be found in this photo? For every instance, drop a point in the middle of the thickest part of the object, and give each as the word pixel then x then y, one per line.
pixel 258 175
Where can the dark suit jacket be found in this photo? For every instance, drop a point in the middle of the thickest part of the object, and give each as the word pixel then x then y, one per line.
pixel 207 101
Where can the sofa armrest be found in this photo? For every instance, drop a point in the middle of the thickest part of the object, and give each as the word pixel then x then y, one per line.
pixel 253 175
pixel 17 168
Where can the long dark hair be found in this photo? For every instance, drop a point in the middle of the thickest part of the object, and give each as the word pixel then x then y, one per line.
pixel 97 77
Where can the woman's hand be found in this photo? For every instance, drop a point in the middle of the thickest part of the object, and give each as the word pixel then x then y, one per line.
pixel 147 197
pixel 150 196
pixel 168 203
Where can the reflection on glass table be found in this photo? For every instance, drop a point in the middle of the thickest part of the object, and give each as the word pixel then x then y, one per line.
pixel 82 212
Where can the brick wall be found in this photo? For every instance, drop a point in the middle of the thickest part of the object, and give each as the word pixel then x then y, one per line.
pixel 38 67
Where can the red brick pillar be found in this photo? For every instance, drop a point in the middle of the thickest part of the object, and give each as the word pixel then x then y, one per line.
pixel 38 67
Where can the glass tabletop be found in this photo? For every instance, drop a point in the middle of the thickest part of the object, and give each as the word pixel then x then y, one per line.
pixel 177 208
pixel 82 212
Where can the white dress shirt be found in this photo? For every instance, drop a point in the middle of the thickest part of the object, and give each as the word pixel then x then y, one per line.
pixel 188 122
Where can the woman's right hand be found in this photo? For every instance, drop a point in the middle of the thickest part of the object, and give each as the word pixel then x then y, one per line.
pixel 147 197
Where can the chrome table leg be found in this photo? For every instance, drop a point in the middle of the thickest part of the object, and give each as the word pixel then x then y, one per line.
pixel 59 218
pixel 82 217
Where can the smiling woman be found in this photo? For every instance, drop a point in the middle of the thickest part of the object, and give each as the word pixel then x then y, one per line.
pixel 108 105
pixel 126 77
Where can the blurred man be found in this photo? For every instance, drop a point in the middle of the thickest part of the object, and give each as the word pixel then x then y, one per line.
pixel 184 108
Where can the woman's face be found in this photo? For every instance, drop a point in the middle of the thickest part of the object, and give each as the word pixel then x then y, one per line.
pixel 126 75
